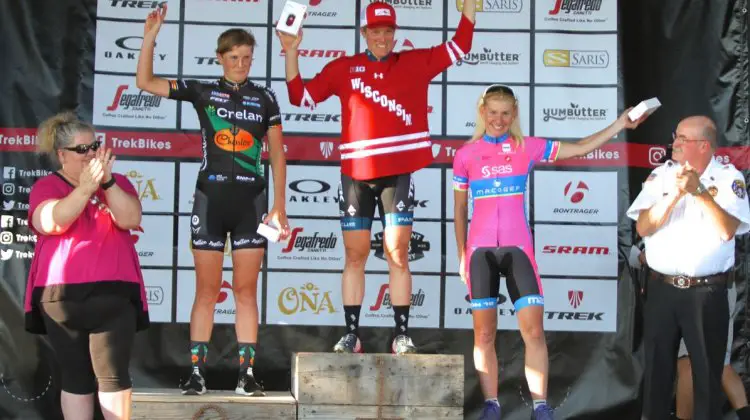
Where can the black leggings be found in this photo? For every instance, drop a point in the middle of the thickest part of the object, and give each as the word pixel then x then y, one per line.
pixel 92 340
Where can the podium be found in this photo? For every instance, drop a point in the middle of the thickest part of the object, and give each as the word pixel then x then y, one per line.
pixel 156 404
pixel 378 386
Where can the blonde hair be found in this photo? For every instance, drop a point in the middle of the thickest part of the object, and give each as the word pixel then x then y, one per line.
pixel 58 131
pixel 232 38
pixel 498 93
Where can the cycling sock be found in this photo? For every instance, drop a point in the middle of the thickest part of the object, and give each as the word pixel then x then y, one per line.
pixel 401 315
pixel 247 357
pixel 351 312
pixel 198 352
pixel 537 403
pixel 493 400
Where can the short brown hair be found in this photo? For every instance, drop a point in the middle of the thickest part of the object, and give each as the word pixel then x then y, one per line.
pixel 232 38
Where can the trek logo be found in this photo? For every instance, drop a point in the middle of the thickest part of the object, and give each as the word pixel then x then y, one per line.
pixel 575 298
pixel 405 45
pixel 494 171
pixel 312 243
pixel 577 7
pixel 307 117
pixel 576 250
pixel 592 59
pixel 496 6
pixel 135 234
pixel 318 53
pixel 383 100
pixel 417 246
pixel 384 298
pixel 139 102
pixel 326 148
pixel 223 294
pixel 137 4
pixel 207 61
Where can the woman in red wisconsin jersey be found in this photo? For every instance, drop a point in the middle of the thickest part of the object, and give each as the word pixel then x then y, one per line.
pixel 385 137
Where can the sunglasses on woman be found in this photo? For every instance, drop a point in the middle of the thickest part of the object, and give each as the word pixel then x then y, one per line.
pixel 82 149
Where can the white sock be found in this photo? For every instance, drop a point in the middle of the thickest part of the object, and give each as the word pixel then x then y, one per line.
pixel 537 403
pixel 493 400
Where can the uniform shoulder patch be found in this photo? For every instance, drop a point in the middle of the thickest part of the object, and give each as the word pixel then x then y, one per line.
pixel 739 189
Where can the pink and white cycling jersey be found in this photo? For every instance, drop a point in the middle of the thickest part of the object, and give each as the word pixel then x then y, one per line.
pixel 494 170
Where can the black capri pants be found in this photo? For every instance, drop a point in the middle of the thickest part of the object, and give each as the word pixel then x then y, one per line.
pixel 92 340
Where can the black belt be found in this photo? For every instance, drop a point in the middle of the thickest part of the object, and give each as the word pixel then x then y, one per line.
pixel 686 282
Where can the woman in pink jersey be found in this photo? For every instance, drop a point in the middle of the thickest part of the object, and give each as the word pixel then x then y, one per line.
pixel 85 289
pixel 494 166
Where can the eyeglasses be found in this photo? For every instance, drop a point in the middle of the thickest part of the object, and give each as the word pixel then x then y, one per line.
pixel 498 88
pixel 82 149
pixel 682 139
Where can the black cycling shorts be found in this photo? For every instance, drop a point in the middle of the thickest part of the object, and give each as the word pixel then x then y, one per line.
pixel 393 196
pixel 485 268
pixel 224 205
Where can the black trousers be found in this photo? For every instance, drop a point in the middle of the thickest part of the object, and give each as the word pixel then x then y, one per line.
pixel 701 316
pixel 92 340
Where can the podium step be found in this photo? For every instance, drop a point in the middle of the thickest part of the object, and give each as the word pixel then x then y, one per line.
pixel 378 386
pixel 225 405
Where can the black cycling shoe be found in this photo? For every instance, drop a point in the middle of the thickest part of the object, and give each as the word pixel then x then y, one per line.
pixel 246 385
pixel 195 385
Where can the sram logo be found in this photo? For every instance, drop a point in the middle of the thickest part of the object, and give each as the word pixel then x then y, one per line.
pixel 490 170
pixel 568 249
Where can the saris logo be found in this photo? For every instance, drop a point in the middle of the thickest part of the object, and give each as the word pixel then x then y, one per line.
pixel 494 6
pixel 308 299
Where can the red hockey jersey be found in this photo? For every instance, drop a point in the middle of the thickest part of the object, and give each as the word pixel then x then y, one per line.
pixel 383 104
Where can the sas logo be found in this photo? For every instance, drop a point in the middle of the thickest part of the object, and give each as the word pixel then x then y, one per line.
pixel 495 6
pixel 146 187
pixel 594 59
pixel 492 171
pixel 307 299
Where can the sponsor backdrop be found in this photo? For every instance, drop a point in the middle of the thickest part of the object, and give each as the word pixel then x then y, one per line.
pixel 562 59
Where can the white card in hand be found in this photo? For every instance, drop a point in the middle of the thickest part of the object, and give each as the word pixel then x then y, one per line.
pixel 291 17
pixel 268 232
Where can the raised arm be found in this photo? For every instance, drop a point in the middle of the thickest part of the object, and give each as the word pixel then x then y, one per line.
pixel 586 145
pixel 145 79
pixel 306 94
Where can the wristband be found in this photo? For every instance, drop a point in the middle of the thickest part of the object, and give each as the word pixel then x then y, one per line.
pixel 109 183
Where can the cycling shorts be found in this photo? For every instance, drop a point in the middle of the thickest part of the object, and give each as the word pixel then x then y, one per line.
pixel 486 264
pixel 393 196
pixel 223 205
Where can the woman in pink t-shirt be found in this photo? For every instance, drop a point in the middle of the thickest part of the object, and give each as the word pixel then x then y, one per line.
pixel 85 289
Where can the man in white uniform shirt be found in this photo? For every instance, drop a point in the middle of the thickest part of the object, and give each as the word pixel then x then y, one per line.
pixel 688 213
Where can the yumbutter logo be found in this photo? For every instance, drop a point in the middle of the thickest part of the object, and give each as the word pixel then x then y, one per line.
pixel 307 299
pixel 146 187
pixel 575 58
pixel 497 6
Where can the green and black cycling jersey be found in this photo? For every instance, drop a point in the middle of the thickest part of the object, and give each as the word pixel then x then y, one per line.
pixel 234 118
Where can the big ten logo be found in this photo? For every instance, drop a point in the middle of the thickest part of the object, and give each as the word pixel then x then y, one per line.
pixel 308 298
pixel 146 187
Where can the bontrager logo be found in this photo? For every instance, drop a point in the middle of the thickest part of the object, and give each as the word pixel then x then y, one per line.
pixel 575 298
pixel 383 100
pixel 574 58
pixel 326 148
